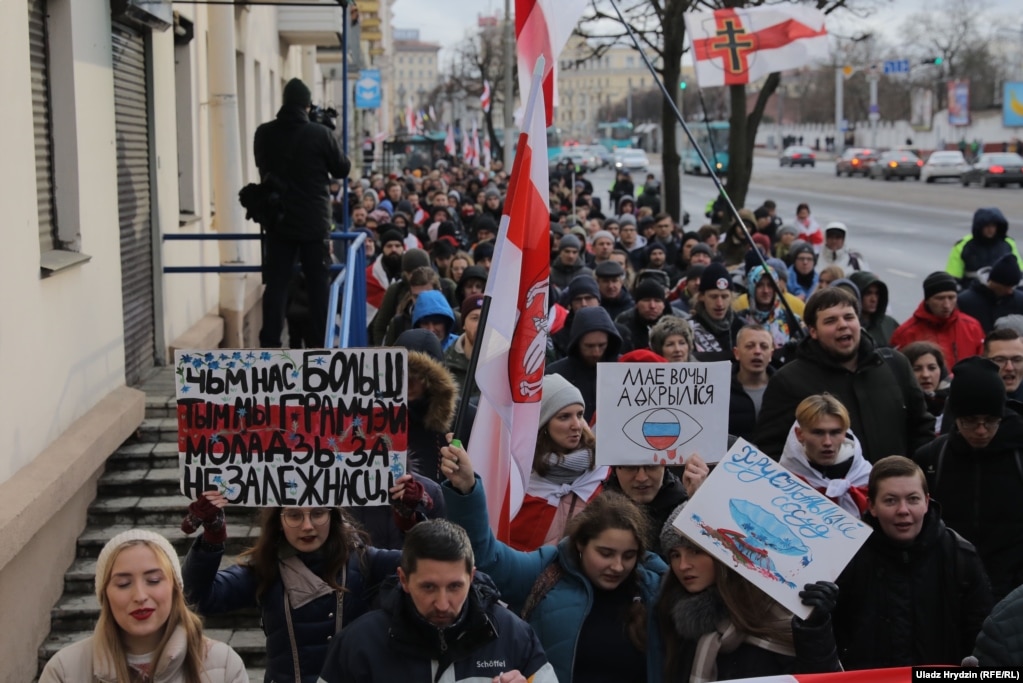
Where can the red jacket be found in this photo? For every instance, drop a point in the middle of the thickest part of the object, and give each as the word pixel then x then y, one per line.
pixel 959 335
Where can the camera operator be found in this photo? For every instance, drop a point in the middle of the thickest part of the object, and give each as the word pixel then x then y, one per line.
pixel 298 157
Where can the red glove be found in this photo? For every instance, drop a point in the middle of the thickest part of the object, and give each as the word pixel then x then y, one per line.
pixel 405 509
pixel 210 517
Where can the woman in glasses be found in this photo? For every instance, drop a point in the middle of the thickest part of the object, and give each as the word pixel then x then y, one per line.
pixel 310 573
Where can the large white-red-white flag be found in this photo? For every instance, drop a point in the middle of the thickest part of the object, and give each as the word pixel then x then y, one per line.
pixel 736 46
pixel 410 117
pixel 900 674
pixel 542 27
pixel 449 141
pixel 485 97
pixel 514 339
pixel 475 144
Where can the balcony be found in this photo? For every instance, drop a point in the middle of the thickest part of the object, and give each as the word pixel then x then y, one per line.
pixel 311 25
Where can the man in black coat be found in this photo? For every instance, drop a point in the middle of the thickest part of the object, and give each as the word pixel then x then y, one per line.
pixel 594 339
pixel 299 157
pixel 996 297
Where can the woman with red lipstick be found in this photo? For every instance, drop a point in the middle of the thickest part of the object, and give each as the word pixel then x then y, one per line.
pixel 931 374
pixel 145 631
pixel 310 573
pixel 717 626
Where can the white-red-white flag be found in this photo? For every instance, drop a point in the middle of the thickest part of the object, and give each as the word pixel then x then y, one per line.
pixel 485 160
pixel 542 27
pixel 485 97
pixel 410 117
pixel 895 675
pixel 449 141
pixel 466 147
pixel 514 340
pixel 475 144
pixel 736 46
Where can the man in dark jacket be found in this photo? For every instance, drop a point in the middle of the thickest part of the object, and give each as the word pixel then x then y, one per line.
pixel 651 305
pixel 443 623
pixel 569 262
pixel 976 471
pixel 874 318
pixel 299 157
pixel 997 296
pixel 614 297
pixel 715 324
pixel 754 347
pixel 886 406
pixel 594 339
pixel 987 242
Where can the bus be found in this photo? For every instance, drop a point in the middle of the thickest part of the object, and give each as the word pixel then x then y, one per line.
pixel 555 142
pixel 712 138
pixel 615 134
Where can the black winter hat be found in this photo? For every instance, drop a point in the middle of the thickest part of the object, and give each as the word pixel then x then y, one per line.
pixel 412 259
pixel 976 389
pixel 297 93
pixel 483 250
pixel 715 276
pixel 579 285
pixel 392 235
pixel 799 248
pixel 701 248
pixel 485 222
pixel 422 341
pixel 648 289
pixel 1005 271
pixel 939 282
pixel 471 273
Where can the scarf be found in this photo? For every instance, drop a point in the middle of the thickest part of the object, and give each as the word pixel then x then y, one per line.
pixel 584 486
pixel 723 325
pixel 850 492
pixel 774 319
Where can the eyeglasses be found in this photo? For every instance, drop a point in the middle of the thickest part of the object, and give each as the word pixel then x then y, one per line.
pixel 1002 361
pixel 295 518
pixel 974 422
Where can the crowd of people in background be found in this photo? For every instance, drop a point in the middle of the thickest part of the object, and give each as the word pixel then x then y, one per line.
pixel 912 425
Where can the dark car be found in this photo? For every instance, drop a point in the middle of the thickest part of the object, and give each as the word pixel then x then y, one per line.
pixel 797 156
pixel 855 160
pixel 896 163
pixel 995 169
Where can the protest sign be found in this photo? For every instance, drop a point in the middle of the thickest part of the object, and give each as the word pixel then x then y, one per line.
pixel 315 427
pixel 659 413
pixel 770 526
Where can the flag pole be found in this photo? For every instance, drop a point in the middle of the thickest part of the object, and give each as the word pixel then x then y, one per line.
pixel 790 317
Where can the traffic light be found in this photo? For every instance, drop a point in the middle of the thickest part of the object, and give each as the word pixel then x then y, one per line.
pixel 682 85
pixel 937 61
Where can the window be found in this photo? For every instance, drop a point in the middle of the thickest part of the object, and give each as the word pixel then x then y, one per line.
pixel 188 182
pixel 41 123
pixel 630 61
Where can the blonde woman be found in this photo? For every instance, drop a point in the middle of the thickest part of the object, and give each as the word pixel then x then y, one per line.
pixel 145 632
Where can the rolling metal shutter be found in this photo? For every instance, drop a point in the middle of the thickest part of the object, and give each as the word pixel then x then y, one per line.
pixel 131 112
pixel 38 59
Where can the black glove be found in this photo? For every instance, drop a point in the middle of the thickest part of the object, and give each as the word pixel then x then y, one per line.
pixel 822 596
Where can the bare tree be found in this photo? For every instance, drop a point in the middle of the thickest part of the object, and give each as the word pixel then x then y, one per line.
pixel 477 58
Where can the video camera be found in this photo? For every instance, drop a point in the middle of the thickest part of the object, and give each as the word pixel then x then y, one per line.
pixel 326 116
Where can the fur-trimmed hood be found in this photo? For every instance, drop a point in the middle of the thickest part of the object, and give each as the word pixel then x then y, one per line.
pixel 436 410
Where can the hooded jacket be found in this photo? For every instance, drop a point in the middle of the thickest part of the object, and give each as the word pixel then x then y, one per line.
pixel 879 325
pixel 573 368
pixel 430 416
pixel 802 286
pixel 980 490
pixel 921 603
pixel 774 320
pixel 974 251
pixel 619 304
pixel 432 302
pixel 959 335
pixel 848 260
pixel 980 302
pixel 1000 641
pixel 886 406
pixel 300 154
pixel 395 643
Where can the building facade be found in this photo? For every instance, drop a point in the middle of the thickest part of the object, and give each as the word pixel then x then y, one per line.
pixel 416 71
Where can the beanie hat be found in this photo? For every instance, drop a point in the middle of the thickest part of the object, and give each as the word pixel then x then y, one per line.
pixel 483 250
pixel 694 271
pixel 799 248
pixel 297 93
pixel 762 241
pixel 648 289
pixel 579 231
pixel 701 248
pixel 405 206
pixel 421 341
pixel 1005 271
pixel 938 282
pixel 788 230
pixel 641 356
pixel 850 287
pixel 603 233
pixel 412 259
pixel 110 550
pixel 579 285
pixel 471 303
pixel 670 536
pixel 485 222
pixel 761 213
pixel 492 192
pixel 473 272
pixel 392 235
pixel 780 268
pixel 715 276
pixel 442 248
pixel 977 388
pixel 627 219
pixel 558 393
pixel 655 245
pixel 569 241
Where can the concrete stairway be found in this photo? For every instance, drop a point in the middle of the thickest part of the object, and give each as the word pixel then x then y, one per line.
pixel 140 489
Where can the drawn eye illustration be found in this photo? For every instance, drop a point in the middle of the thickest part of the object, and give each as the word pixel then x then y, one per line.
pixel 661 429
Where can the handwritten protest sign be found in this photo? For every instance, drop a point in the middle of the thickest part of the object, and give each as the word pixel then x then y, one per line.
pixel 661 412
pixel 770 526
pixel 320 427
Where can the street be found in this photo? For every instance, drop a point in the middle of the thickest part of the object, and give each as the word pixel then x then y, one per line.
pixel 904 229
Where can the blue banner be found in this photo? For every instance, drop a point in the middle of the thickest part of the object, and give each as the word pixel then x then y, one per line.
pixel 1012 105
pixel 367 89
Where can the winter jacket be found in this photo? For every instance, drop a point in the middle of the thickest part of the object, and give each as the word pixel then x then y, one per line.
pixel 742 414
pixel 314 624
pixel 811 233
pixel 619 304
pixel 430 417
pixel 845 258
pixel 776 320
pixel 920 603
pixel 392 299
pixel 639 328
pixel 886 406
pixel 974 251
pixel 548 507
pixel 395 643
pixel 980 493
pixel 457 364
pixel 1000 641
pixel 669 496
pixel 880 326
pixel 959 335
pixel 561 274
pixel 798 289
pixel 981 303
pixel 712 341
pixel 301 155
pixel 558 618
pixel 432 302
pixel 573 368
pixel 79 663
pixel 379 520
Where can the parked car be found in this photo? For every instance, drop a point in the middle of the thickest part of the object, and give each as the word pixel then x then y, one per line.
pixel 602 154
pixel 797 156
pixel 896 164
pixel 944 164
pixel 995 169
pixel 855 160
pixel 632 159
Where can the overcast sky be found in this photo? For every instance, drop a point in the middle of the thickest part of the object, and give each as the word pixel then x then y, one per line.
pixel 447 21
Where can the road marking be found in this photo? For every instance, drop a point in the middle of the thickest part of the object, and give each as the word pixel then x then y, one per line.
pixel 902 273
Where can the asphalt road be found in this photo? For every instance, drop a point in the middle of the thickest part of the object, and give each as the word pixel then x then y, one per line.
pixel 904 229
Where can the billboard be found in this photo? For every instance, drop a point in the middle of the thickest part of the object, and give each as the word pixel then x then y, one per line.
pixel 959 103
pixel 1012 105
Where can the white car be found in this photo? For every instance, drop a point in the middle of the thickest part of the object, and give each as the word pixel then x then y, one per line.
pixel 944 164
pixel 632 159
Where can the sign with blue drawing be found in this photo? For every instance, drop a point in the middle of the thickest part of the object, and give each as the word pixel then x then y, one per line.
pixel 368 90
pixel 298 427
pixel 769 525
pixel 660 413
pixel 1012 105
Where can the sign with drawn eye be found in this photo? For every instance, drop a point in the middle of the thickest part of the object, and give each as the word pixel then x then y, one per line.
pixel 660 413
pixel 770 526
